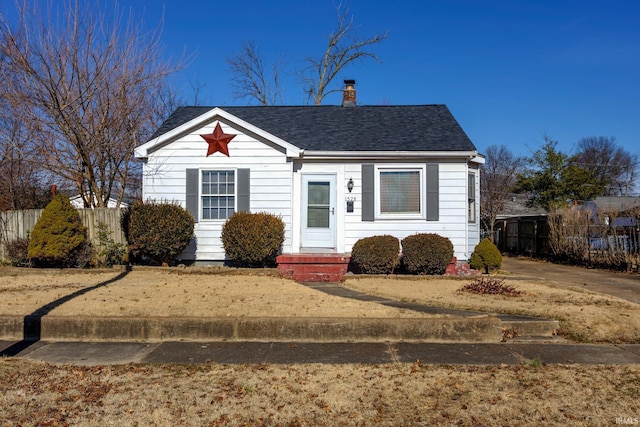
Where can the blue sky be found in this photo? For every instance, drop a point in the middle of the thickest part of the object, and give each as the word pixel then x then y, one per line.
pixel 510 71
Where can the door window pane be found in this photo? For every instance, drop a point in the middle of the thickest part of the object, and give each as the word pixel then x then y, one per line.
pixel 318 204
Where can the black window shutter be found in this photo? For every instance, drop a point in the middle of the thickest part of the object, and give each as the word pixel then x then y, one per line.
pixel 191 201
pixel 433 192
pixel 244 190
pixel 368 192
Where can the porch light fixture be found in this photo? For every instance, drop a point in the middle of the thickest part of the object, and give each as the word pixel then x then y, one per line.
pixel 350 185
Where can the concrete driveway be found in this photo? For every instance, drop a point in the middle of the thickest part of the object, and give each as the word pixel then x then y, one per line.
pixel 621 285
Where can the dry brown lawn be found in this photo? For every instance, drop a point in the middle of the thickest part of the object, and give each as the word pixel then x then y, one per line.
pixel 35 393
pixel 40 394
pixel 167 292
pixel 584 316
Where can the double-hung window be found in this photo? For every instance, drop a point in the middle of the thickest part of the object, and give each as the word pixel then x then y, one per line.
pixel 401 192
pixel 471 190
pixel 218 194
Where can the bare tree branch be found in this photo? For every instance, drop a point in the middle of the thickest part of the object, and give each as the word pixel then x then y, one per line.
pixel 614 167
pixel 499 176
pixel 88 88
pixel 250 79
pixel 344 47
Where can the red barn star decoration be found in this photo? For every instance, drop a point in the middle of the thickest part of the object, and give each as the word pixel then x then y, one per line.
pixel 218 141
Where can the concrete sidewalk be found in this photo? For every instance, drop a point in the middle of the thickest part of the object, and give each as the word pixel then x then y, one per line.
pixel 101 353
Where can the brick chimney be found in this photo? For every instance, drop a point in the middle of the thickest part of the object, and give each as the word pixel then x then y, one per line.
pixel 349 94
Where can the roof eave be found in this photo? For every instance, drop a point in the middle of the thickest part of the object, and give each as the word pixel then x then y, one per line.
pixel 398 155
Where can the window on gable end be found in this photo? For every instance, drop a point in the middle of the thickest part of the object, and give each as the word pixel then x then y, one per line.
pixel 217 194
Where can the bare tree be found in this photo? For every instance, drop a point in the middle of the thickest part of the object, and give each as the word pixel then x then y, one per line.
pixel 250 78
pixel 344 46
pixel 196 86
pixel 499 176
pixel 23 182
pixel 612 166
pixel 89 89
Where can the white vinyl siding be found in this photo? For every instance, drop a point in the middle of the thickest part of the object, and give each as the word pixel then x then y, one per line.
pixel 270 182
pixel 275 185
pixel 452 222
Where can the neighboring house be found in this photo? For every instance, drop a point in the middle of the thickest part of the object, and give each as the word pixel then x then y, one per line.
pixel 617 218
pixel 615 211
pixel 334 174
pixel 521 229
pixel 78 203
pixel 516 206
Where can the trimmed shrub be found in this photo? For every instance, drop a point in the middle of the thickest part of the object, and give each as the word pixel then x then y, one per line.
pixel 253 239
pixel 58 239
pixel 485 256
pixel 158 232
pixel 376 254
pixel 17 252
pixel 426 253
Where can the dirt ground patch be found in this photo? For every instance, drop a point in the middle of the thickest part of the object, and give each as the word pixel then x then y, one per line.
pixel 36 393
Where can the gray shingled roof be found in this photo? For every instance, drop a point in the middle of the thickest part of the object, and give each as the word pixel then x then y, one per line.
pixel 336 128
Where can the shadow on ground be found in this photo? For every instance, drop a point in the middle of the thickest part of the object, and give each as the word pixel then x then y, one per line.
pixel 32 326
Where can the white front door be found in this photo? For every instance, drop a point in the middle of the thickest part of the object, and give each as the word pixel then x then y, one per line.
pixel 318 211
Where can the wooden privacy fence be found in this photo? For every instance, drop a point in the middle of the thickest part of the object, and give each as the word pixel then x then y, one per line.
pixel 523 235
pixel 18 224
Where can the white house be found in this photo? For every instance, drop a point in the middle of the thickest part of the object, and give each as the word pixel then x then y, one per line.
pixel 78 203
pixel 334 174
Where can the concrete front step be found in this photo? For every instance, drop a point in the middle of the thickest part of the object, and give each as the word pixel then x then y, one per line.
pixel 530 330
pixel 447 329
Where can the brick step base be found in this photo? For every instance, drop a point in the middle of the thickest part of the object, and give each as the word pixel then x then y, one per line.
pixel 456 268
pixel 313 267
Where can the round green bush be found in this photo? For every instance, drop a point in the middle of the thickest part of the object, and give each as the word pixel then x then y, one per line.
pixel 157 231
pixel 376 254
pixel 58 239
pixel 253 239
pixel 426 253
pixel 485 256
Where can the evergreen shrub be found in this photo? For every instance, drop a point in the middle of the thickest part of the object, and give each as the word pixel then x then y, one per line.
pixel 157 232
pixel 426 253
pixel 486 256
pixel 253 239
pixel 376 254
pixel 59 239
